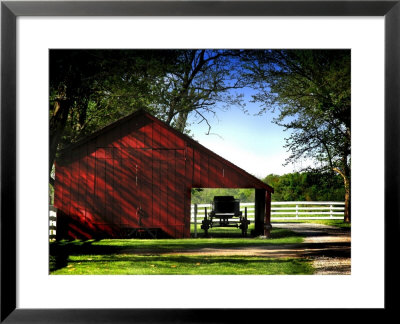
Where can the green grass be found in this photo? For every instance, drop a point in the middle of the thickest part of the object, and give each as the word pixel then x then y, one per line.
pixel 147 256
pixel 127 264
pixel 222 240
pixel 220 231
pixel 330 222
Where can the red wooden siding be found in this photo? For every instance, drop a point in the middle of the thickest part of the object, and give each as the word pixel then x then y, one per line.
pixel 138 173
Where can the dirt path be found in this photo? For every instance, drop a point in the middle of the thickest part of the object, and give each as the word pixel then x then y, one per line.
pixel 330 246
pixel 327 246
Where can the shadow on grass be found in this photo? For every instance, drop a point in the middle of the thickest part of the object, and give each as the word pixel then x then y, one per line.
pixel 61 251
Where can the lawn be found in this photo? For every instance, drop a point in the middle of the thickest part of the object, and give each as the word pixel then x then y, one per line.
pixel 131 264
pixel 148 256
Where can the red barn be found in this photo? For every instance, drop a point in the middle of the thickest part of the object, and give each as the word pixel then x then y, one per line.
pixel 138 173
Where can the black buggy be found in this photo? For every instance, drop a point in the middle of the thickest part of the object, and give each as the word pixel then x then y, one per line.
pixel 225 213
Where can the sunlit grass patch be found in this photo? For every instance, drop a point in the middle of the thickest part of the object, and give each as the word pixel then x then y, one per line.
pixel 182 265
pixel 331 222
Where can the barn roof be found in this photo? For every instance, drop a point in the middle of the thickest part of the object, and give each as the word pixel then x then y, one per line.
pixel 258 184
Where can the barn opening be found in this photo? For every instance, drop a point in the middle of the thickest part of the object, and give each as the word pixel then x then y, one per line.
pixel 224 212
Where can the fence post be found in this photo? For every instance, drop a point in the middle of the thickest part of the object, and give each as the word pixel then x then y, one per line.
pixel 297 211
pixel 330 212
pixel 195 220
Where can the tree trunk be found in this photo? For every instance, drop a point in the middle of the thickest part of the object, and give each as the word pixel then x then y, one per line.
pixel 181 122
pixel 347 201
pixel 57 125
pixel 347 196
pixel 171 114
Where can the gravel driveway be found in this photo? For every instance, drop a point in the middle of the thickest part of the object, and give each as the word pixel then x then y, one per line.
pixel 329 247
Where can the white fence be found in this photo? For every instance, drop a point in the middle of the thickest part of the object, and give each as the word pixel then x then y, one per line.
pixel 280 210
pixel 52 222
pixel 286 210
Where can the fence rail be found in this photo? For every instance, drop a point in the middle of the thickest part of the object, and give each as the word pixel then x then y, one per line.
pixel 286 210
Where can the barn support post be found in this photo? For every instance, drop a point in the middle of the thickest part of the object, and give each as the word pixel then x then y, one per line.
pixel 195 220
pixel 259 211
pixel 267 220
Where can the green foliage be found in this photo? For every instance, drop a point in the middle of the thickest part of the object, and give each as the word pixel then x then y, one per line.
pixel 101 86
pixel 307 186
pixel 206 195
pixel 311 89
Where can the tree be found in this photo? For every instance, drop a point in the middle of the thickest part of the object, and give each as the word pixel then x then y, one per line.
pixel 92 88
pixel 311 89
pixel 198 80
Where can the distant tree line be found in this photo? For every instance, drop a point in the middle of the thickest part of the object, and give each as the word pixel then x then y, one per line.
pixel 306 186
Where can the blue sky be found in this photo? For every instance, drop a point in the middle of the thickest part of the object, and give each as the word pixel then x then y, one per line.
pixel 251 142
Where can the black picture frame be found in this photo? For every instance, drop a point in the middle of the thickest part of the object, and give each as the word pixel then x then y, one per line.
pixel 10 10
